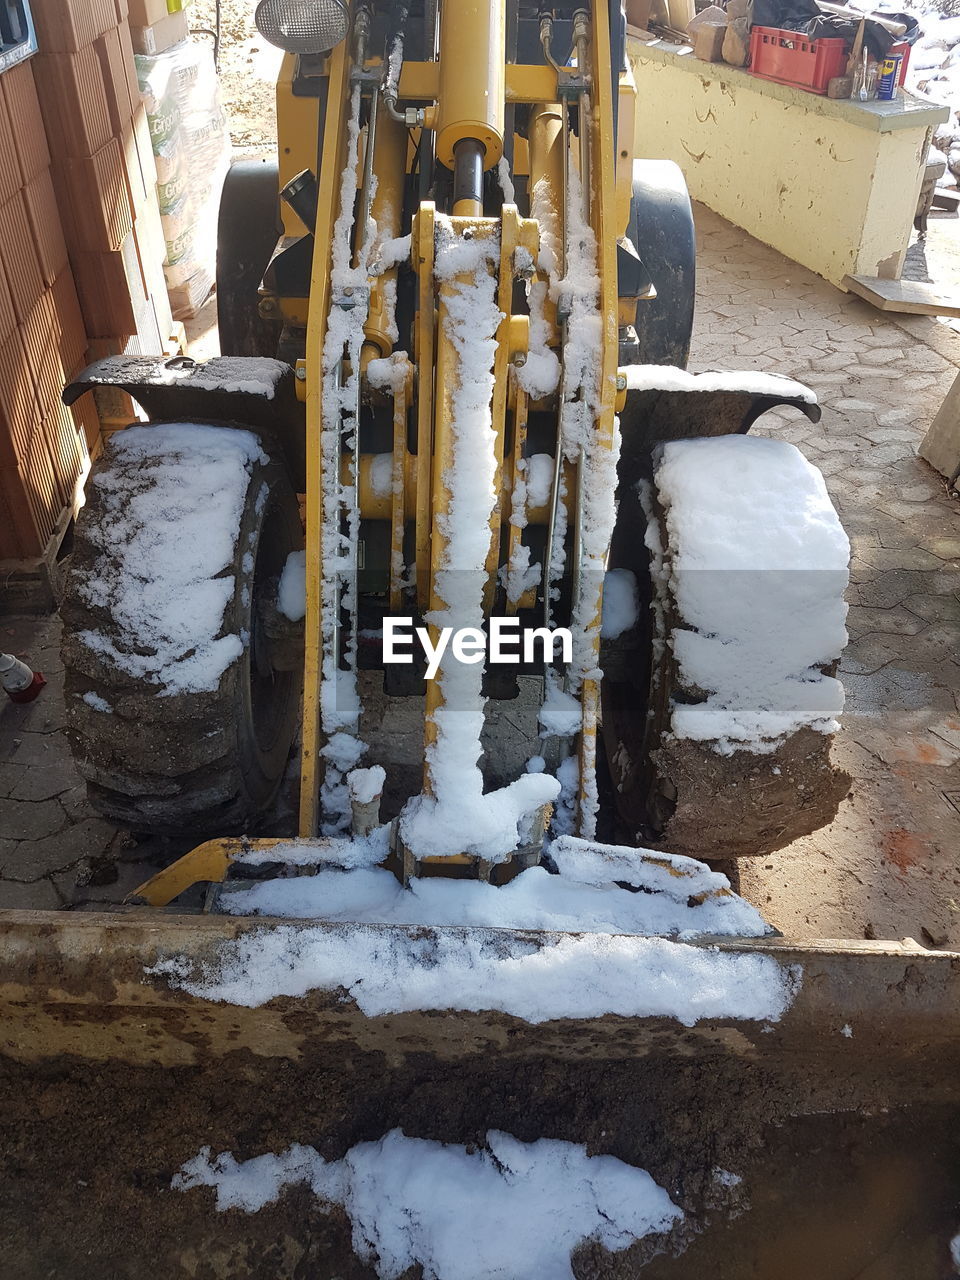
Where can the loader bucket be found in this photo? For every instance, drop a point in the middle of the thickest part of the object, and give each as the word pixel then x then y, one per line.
pixel 813 1134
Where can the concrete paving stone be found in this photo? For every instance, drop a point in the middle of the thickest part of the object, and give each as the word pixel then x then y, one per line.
pixel 834 362
pixel 30 820
pixel 853 404
pixel 36 748
pixel 837 443
pixel 945 548
pixel 76 804
pixel 896 534
pixel 884 337
pixel 917 382
pixel 888 435
pixel 918 492
pixel 933 645
pixel 38 896
pixel 943 582
pixel 900 558
pixel 39 782
pixel 868 654
pixel 898 414
pixel 886 622
pixel 828 379
pixel 878 355
pixel 887 590
pixel 33 859
pixel 879 454
pixel 828 463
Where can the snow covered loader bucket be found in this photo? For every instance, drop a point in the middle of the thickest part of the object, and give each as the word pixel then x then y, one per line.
pixel 548 631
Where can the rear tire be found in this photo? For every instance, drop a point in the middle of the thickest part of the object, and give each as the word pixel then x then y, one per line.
pixel 183 763
pixel 662 232
pixel 247 234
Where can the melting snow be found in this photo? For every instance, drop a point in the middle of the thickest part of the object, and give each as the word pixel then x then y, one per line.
pixel 392 970
pixel 620 603
pixel 662 377
pixel 513 1209
pixel 166 539
pixel 757 568
pixel 292 592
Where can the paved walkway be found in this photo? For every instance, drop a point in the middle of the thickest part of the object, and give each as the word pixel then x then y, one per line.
pixel 888 866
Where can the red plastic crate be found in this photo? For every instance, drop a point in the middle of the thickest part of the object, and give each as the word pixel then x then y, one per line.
pixel 789 57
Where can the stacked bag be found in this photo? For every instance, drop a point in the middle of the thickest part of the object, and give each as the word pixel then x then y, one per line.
pixel 191 147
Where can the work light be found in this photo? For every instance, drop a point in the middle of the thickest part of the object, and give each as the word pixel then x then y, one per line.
pixel 302 26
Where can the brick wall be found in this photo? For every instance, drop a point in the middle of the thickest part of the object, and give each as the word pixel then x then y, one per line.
pixel 81 255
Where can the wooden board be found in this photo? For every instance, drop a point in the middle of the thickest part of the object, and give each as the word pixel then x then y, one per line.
pixel 907 296
pixel 941 445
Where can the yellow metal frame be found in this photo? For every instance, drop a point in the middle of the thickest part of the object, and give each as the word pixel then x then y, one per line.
pixel 331 166
pixel 419 489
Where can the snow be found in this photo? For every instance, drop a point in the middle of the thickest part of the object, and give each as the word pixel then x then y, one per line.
pixel 620 603
pixel 539 375
pixel 340 525
pixel 847 1030
pixel 756 567
pixel 388 373
pixel 456 816
pixel 726 1179
pixel 506 181
pixel 459 1213
pixel 253 375
pixel 381 474
pixel 536 764
pixel 331 851
pixel 166 539
pixel 292 592
pixel 535 899
pixel 99 704
pixel 539 477
pixel 657 377
pixel 560 713
pixel 955 1252
pixel 389 970
pixel 366 784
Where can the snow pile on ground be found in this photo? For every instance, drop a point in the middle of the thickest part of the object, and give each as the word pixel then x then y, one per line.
pixel 166 539
pixel 393 970
pixel 512 1209
pixel 756 568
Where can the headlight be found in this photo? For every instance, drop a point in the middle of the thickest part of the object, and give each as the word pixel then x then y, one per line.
pixel 303 26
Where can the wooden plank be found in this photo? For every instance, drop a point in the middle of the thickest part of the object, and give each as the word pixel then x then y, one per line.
pixel 905 296
pixel 941 445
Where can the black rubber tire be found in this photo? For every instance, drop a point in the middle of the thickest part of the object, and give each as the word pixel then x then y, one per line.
pixel 662 232
pixel 681 795
pixel 188 763
pixel 247 233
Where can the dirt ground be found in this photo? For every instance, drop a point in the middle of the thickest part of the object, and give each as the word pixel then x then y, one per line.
pixel 248 72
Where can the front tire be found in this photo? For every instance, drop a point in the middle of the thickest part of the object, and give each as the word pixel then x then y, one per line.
pixel 161 753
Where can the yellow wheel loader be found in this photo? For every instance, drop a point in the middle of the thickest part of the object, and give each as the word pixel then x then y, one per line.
pixel 555 633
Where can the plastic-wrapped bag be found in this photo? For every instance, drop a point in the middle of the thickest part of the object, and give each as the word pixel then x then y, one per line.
pixel 191 143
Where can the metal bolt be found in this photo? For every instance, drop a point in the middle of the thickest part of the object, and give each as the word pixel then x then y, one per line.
pixel 301 373
pixel 621 380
